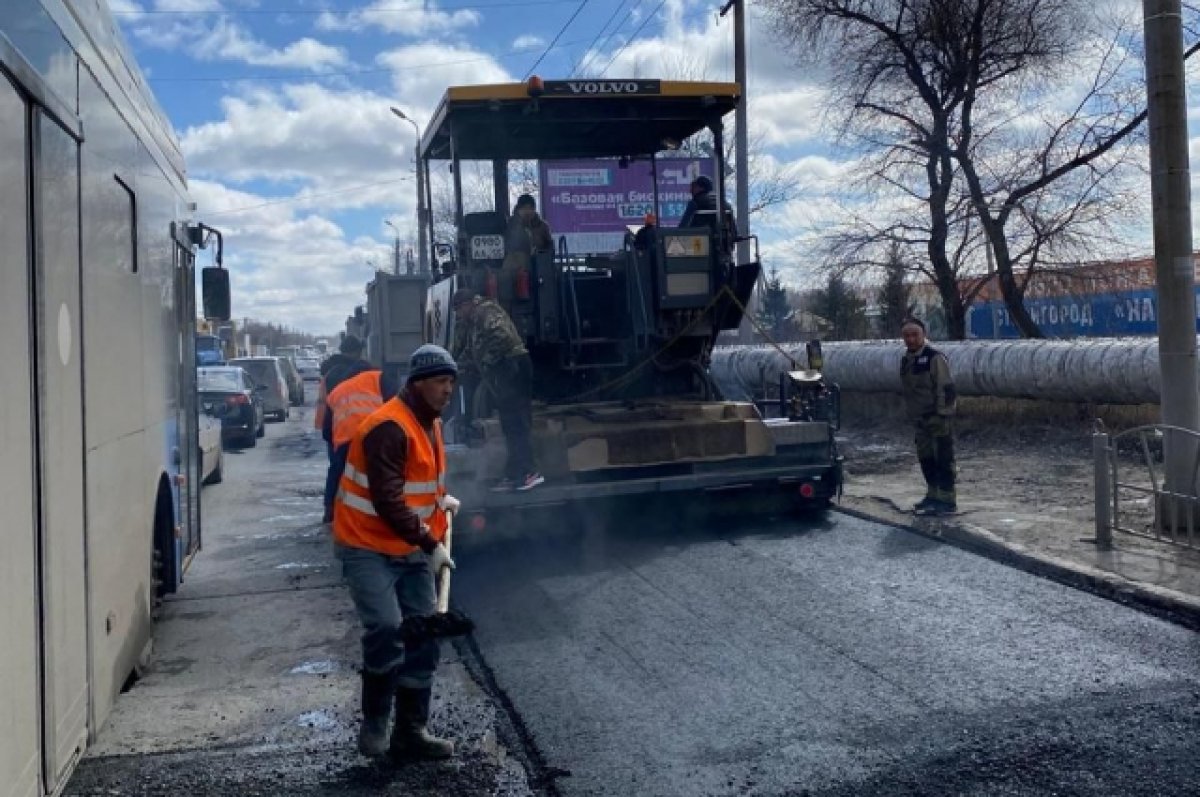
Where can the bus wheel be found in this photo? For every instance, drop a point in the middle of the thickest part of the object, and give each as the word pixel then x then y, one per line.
pixel 163 562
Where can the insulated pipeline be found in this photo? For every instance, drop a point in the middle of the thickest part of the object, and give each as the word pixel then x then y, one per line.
pixel 1107 371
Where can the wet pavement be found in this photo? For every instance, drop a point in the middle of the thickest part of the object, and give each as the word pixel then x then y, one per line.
pixel 682 649
pixel 667 652
pixel 253 688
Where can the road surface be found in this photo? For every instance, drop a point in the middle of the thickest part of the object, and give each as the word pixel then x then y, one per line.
pixel 667 652
pixel 653 651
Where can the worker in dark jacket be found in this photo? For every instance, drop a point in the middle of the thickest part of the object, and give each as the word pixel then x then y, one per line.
pixel 701 211
pixel 389 527
pixel 487 342
pixel 929 401
pixel 528 233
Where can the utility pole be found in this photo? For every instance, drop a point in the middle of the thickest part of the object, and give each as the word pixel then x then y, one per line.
pixel 741 154
pixel 1170 194
pixel 422 210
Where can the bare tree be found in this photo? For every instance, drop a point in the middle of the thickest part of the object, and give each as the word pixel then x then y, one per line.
pixel 938 93
pixel 932 231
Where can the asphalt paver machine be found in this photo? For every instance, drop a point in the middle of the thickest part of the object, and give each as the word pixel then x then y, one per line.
pixel 619 340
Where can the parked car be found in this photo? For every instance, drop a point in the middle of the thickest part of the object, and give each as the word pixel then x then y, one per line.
pixel 310 368
pixel 294 381
pixel 211 453
pixel 267 371
pixel 231 395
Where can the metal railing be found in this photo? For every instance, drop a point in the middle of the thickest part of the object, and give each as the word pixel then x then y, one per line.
pixel 1132 491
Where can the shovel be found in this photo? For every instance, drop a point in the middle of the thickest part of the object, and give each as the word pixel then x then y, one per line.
pixel 444 623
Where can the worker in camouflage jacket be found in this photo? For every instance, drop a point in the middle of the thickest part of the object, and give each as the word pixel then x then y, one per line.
pixel 929 400
pixel 487 343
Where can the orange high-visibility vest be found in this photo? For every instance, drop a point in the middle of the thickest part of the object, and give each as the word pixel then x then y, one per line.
pixel 355 521
pixel 352 401
pixel 319 415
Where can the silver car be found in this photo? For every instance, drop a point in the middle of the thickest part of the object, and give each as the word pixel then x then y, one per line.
pixel 309 368
pixel 268 372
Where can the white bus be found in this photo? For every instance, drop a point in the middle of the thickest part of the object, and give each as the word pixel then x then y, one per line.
pixel 99 489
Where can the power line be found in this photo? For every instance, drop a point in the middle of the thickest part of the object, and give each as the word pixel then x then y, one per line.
pixel 354 72
pixel 306 197
pixel 632 38
pixel 628 15
pixel 557 36
pixel 589 53
pixel 397 9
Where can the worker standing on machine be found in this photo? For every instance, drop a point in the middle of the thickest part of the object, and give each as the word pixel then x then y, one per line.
pixel 528 233
pixel 389 524
pixel 487 342
pixel 701 210
pixel 929 400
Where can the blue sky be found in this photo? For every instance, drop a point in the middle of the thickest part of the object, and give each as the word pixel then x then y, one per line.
pixel 282 108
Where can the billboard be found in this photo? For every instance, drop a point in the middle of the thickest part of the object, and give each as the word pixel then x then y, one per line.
pixel 592 201
pixel 1095 315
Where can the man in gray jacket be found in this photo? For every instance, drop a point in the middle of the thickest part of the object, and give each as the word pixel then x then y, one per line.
pixel 929 400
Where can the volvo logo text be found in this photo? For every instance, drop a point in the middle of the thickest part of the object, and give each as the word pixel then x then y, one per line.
pixel 603 86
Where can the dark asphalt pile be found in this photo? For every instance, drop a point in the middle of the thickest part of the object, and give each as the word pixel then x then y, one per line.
pixel 654 652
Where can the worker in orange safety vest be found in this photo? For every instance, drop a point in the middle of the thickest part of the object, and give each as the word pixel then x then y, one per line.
pixel 389 524
pixel 354 398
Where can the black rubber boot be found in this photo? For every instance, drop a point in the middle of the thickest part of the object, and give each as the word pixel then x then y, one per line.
pixel 411 739
pixel 376 711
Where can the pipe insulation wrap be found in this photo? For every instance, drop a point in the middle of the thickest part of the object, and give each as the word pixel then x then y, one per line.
pixel 1103 371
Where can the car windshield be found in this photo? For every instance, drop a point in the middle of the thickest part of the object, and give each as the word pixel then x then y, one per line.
pixel 306 363
pixel 261 370
pixel 224 379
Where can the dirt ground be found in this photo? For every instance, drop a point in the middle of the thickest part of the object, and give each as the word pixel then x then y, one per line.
pixel 1025 478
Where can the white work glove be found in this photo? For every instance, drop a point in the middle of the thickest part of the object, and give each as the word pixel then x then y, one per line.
pixel 450 504
pixel 440 558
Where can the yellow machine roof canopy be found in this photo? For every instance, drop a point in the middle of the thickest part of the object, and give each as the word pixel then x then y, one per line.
pixel 572 118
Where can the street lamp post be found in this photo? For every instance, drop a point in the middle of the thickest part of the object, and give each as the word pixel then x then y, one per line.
pixel 422 248
pixel 396 248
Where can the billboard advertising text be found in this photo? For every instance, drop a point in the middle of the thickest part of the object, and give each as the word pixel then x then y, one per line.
pixel 598 195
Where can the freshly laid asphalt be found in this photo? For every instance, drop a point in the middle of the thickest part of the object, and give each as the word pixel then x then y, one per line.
pixel 670 650
pixel 680 649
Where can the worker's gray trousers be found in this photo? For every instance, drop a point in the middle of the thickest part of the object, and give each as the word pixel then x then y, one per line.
pixel 386 589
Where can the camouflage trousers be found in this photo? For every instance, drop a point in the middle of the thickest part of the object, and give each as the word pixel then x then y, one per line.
pixel 935 452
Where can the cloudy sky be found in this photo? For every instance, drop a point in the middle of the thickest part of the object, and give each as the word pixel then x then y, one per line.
pixel 282 107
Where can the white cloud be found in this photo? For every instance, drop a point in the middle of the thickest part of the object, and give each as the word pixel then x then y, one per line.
pixel 527 42
pixel 126 10
pixel 421 72
pixel 310 134
pixel 228 41
pixel 289 267
pixel 405 17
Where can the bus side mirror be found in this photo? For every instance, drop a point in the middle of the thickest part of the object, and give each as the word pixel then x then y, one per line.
pixel 215 287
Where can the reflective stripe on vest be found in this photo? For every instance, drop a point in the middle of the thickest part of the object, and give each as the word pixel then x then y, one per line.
pixel 361 504
pixel 367 508
pixel 352 401
pixel 355 521
pixel 353 475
